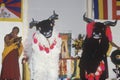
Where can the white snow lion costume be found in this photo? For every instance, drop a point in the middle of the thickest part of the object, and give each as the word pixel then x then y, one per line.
pixel 45 57
pixel 46 47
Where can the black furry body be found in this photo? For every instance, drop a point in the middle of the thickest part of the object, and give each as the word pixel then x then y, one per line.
pixel 94 51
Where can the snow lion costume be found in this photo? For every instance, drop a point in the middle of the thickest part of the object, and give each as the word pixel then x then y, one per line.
pixel 45 48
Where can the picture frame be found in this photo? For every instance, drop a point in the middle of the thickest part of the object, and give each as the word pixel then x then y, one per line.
pixel 11 10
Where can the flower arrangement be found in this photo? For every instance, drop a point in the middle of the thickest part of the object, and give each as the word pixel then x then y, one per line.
pixel 77 43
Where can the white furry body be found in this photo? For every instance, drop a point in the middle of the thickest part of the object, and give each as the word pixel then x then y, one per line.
pixel 44 64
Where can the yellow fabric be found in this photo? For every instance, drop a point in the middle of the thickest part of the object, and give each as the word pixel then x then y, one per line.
pixel 100 6
pixel 20 49
pixel 78 69
pixel 118 3
pixel 8 49
pixel 109 50
pixel 26 71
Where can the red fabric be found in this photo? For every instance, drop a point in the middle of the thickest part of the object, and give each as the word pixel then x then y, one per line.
pixel 90 27
pixel 109 33
pixel 10 66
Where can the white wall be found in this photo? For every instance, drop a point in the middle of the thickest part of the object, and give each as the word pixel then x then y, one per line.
pixel 70 13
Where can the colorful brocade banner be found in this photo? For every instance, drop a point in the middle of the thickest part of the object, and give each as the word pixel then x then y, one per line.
pixel 11 10
pixel 106 9
pixel 100 9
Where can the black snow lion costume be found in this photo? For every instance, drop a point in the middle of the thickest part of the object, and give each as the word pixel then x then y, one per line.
pixel 93 62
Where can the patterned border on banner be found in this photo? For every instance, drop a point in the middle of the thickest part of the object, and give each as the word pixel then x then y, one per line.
pixel 11 10
pixel 116 9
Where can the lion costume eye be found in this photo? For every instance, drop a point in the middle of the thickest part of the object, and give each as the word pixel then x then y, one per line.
pixel 51 24
pixel 99 33
pixel 39 28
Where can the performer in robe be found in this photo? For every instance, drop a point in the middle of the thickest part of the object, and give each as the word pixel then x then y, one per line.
pixel 93 62
pixel 10 56
pixel 45 46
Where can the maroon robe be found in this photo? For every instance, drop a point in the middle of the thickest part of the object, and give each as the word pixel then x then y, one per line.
pixel 10 66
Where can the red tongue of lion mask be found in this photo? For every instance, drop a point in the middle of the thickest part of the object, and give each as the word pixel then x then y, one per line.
pixel 45 27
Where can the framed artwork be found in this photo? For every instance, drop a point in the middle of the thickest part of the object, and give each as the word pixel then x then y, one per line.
pixel 66 45
pixel 67 64
pixel 11 10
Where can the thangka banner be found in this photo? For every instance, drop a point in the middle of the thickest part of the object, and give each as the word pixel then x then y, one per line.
pixel 10 10
pixel 106 9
